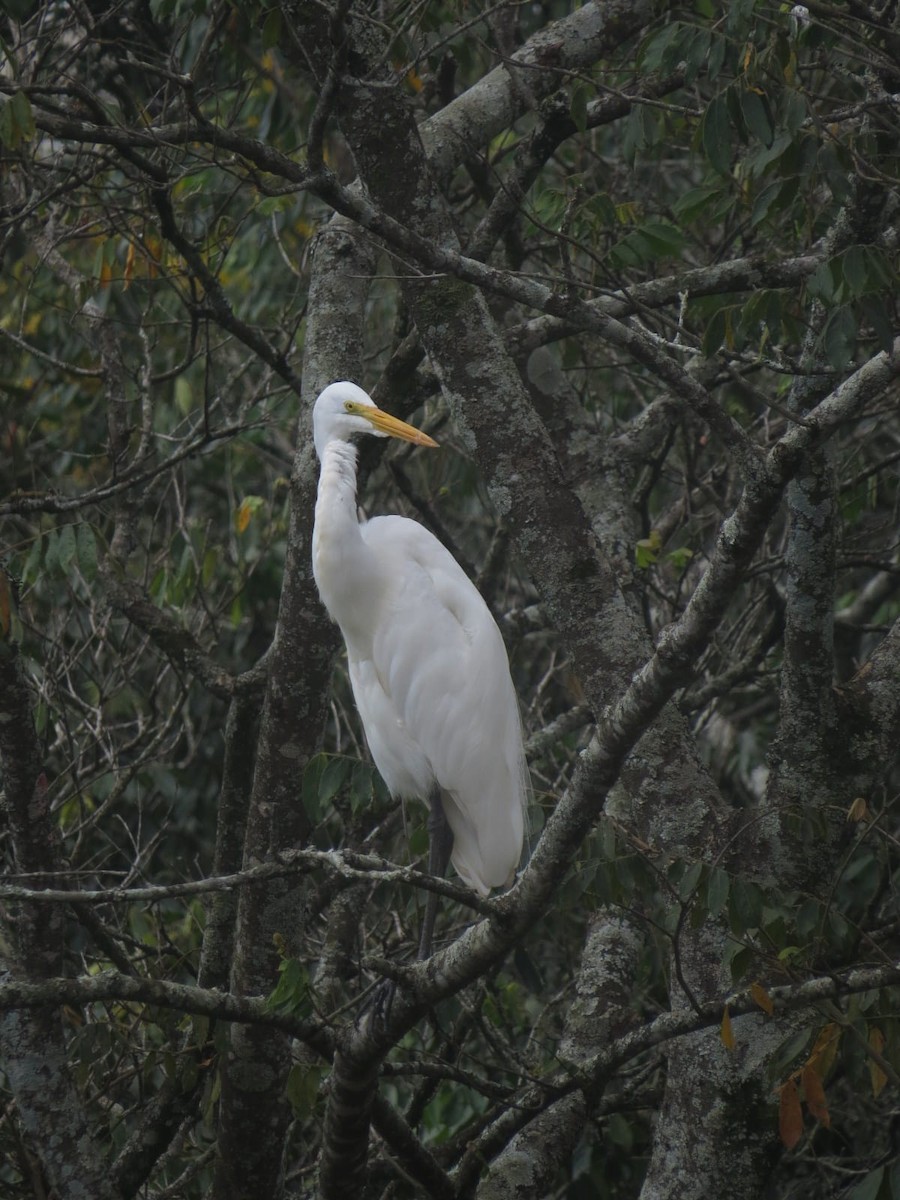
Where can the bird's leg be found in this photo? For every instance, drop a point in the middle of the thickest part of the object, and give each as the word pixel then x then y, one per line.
pixel 440 843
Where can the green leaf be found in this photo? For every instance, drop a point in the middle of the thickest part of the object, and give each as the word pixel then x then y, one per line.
pixel 643 128
pixel 274 204
pixel 271 30
pixel 757 117
pixel 715 135
pixel 739 17
pixel 291 993
pixel 22 116
pixel 360 787
pixel 714 334
pixel 839 337
pixel 302 1089
pixel 766 200
pixel 758 160
pixel 717 887
pixel 333 778
pixel 868 1188
pixel 33 561
pixel 51 556
pixel 788 953
pixel 792 111
pixel 878 268
pixel 680 557
pixel 687 884
pixel 87 551
pixel 601 210
pixel 647 243
pixel 821 283
pixel 620 1132
pixel 763 308
pixel 646 551
pixel 664 238
pixel 208 568
pixel 741 964
pixel 873 311
pixel 745 906
pixel 309 791
pixel 695 202
pixel 696 54
pixel 6 124
pixel 16 120
pixel 67 547
pixel 853 267
pixel 200 1029
pixel 418 842
pixel 717 53
pixel 578 106
pixel 549 206
pixel 653 52
pixel 184 395
pixel 631 251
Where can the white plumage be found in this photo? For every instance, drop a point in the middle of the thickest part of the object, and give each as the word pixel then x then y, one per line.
pixel 428 667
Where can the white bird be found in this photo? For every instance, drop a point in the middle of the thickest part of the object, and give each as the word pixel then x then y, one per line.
pixel 428 666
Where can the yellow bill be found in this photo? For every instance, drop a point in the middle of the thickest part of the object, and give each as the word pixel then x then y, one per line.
pixel 394 427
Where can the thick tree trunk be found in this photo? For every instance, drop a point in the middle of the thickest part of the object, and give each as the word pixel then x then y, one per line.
pixel 32 1042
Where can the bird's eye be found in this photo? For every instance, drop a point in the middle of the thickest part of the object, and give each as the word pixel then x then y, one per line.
pixel 348 406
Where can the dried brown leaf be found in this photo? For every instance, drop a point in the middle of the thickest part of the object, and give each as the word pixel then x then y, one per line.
pixel 762 998
pixel 790 1114
pixel 876 1074
pixel 814 1094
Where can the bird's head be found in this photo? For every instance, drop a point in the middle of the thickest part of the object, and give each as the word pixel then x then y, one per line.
pixel 343 411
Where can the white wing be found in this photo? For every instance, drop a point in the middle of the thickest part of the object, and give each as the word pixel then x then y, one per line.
pixel 436 699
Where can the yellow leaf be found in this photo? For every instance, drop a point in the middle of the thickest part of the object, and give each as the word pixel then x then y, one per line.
pixel 762 998
pixel 790 1115
pixel 858 810
pixel 748 57
pixel 814 1094
pixel 249 505
pixel 153 249
pixel 129 266
pixel 626 212
pixel 414 81
pixel 727 1032
pixel 105 274
pixel 244 513
pixel 646 551
pixel 876 1074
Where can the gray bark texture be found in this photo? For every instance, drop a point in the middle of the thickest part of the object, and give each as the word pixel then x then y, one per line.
pixel 32 1044
pixel 660 486
pixel 486 396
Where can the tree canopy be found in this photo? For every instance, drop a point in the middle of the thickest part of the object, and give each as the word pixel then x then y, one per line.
pixel 634 266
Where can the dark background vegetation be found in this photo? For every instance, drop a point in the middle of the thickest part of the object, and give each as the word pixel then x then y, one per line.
pixel 634 267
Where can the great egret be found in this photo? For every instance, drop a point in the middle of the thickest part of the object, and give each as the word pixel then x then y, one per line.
pixel 428 667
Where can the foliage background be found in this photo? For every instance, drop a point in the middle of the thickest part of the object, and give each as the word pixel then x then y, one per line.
pixel 684 228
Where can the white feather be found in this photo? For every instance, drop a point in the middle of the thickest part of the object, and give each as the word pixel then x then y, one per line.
pixel 428 666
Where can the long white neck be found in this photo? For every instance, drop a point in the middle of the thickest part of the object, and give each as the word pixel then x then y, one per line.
pixel 343 564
